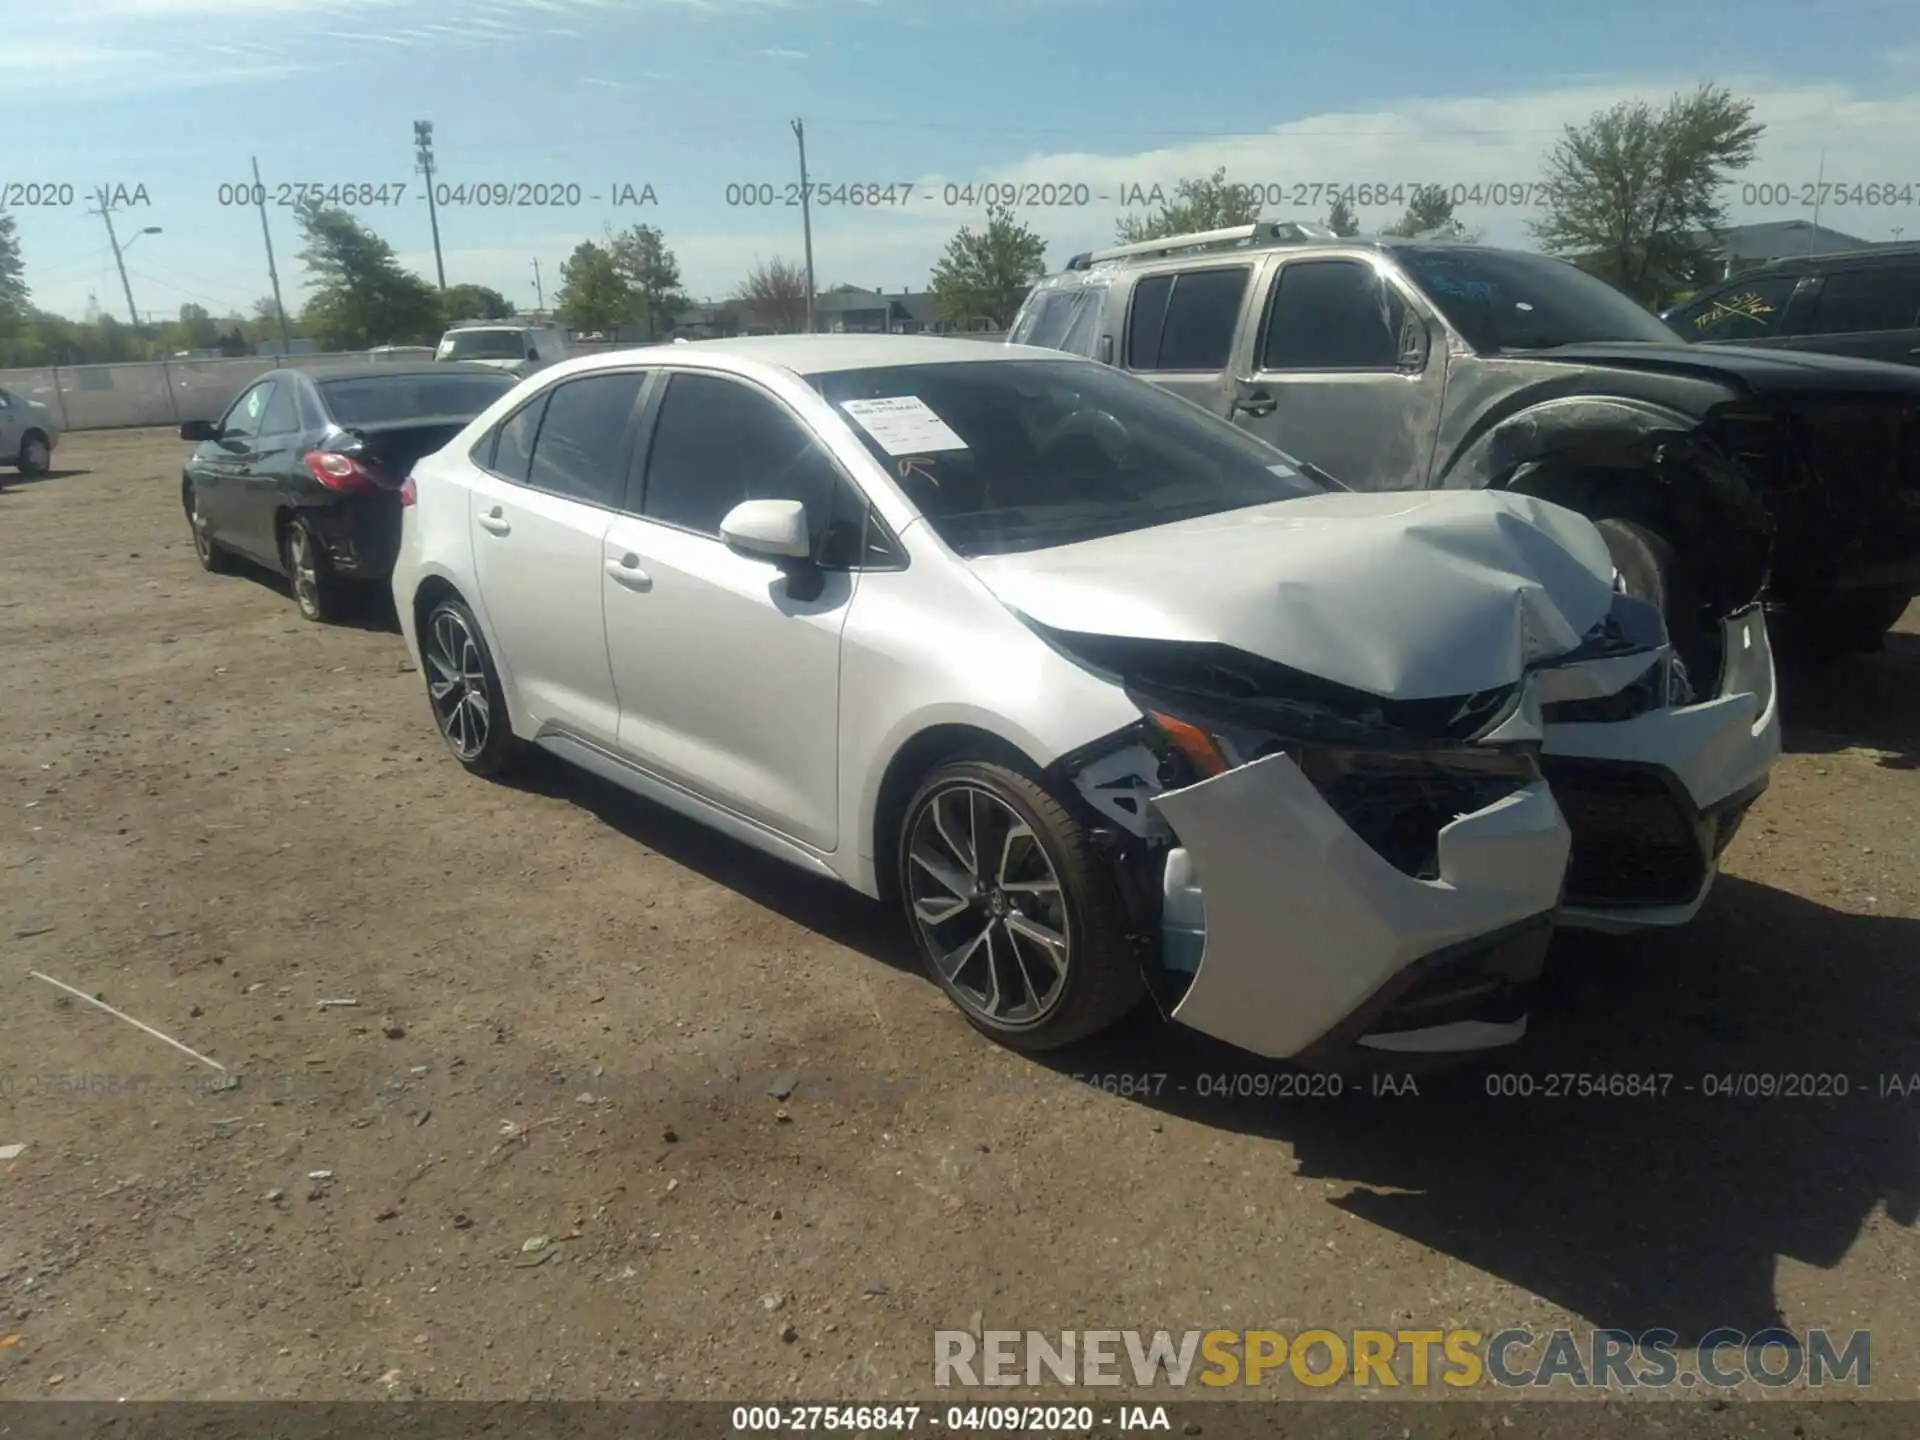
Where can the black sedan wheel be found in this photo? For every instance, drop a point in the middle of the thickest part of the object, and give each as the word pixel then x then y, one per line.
pixel 212 557
pixel 316 589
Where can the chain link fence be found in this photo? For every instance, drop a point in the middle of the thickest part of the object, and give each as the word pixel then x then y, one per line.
pixel 167 392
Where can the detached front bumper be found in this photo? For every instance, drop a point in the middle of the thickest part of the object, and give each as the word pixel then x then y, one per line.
pixel 1310 943
pixel 1653 801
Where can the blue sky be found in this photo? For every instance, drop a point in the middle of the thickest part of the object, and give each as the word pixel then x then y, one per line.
pixel 689 96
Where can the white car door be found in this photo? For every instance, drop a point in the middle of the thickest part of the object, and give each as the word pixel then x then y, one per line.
pixel 542 499
pixel 728 667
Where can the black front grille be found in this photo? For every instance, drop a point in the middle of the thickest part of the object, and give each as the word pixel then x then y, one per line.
pixel 1635 841
pixel 1399 804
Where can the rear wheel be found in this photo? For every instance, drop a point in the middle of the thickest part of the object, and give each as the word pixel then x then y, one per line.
pixel 320 593
pixel 463 686
pixel 1013 914
pixel 36 455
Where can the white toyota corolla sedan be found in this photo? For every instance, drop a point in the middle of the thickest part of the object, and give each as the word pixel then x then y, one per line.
pixel 1116 700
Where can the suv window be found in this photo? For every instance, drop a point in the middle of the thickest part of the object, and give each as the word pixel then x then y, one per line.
pixel 242 420
pixel 1333 315
pixel 1883 298
pixel 719 441
pixel 1749 311
pixel 1061 320
pixel 581 451
pixel 1185 321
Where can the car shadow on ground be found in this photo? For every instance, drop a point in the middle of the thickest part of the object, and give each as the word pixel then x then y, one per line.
pixel 1669 1209
pixel 12 480
pixel 369 607
pixel 1870 701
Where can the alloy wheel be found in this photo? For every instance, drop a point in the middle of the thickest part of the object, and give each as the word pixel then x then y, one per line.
pixel 989 905
pixel 457 685
pixel 202 544
pixel 305 568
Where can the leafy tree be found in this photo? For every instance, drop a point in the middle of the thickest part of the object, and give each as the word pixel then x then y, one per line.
pixel 594 295
pixel 988 272
pixel 1429 208
pixel 362 295
pixel 776 290
pixel 1341 219
pixel 641 256
pixel 475 302
pixel 14 294
pixel 1634 195
pixel 1210 203
pixel 194 330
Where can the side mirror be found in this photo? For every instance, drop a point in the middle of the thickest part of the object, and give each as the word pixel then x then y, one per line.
pixel 532 354
pixel 199 430
pixel 768 529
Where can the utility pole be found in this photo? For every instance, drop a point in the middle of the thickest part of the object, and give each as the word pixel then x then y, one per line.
pixel 273 274
pixel 105 212
pixel 423 152
pixel 806 216
pixel 539 295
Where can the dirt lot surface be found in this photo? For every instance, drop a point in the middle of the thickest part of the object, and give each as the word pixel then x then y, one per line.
pixel 769 1158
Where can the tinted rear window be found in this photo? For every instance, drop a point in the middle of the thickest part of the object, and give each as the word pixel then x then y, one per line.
pixel 384 399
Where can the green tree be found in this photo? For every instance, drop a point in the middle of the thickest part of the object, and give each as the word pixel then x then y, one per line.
pixel 15 297
pixel 475 302
pixel 1341 219
pixel 986 273
pixel 652 274
pixel 1209 203
pixel 1634 194
pixel 362 295
pixel 194 330
pixel 594 295
pixel 1430 207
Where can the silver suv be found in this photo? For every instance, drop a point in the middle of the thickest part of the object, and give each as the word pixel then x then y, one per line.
pixel 1407 364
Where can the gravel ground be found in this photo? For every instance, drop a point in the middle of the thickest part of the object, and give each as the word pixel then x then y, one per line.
pixel 769 1159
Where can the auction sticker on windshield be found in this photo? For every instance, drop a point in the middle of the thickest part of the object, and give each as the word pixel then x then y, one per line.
pixel 904 425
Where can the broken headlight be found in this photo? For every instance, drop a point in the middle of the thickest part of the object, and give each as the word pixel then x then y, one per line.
pixel 1397 800
pixel 1630 627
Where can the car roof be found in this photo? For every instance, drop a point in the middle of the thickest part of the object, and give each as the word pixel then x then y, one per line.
pixel 494 325
pixel 820 354
pixel 387 370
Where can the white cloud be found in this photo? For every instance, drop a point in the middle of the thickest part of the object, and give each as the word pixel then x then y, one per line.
pixel 783 54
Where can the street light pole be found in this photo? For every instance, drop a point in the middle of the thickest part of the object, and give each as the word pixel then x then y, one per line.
pixel 105 212
pixel 423 152
pixel 806 215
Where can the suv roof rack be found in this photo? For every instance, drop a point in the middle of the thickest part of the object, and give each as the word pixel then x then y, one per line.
pixel 1267 231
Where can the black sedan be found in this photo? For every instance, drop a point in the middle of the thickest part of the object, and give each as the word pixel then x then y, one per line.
pixel 306 472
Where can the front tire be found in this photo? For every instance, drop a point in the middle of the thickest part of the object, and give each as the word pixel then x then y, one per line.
pixel 1651 570
pixel 213 558
pixel 1013 914
pixel 463 687
pixel 1853 620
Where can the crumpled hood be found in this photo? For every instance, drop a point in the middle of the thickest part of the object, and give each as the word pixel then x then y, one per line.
pixel 1759 370
pixel 1408 596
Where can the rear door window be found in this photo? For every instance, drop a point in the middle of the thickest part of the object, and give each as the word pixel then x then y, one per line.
pixel 1885 297
pixel 1185 322
pixel 1750 311
pixel 585 438
pixel 509 450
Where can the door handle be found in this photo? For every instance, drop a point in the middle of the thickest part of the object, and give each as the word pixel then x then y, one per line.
pixel 495 520
pixel 627 571
pixel 1256 402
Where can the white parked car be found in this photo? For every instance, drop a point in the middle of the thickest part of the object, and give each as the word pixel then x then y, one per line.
pixel 517 349
pixel 1113 698
pixel 28 432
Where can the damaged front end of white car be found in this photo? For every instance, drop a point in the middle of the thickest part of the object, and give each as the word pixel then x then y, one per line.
pixel 1388 743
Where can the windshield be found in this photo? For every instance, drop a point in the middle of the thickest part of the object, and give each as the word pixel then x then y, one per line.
pixel 383 399
pixel 1027 454
pixel 1503 300
pixel 485 345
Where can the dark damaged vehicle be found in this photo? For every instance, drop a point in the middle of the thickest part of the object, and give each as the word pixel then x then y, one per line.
pixel 306 472
pixel 1712 472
